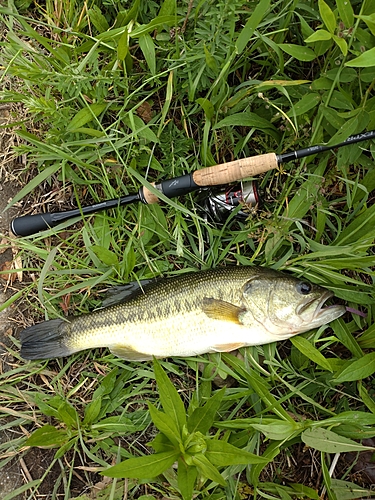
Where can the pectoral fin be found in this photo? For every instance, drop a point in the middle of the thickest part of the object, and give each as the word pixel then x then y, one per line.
pixel 126 352
pixel 221 310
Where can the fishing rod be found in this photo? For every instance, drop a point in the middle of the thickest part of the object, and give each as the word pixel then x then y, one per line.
pixel 216 175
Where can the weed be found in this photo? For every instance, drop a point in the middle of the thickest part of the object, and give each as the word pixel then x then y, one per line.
pixel 119 94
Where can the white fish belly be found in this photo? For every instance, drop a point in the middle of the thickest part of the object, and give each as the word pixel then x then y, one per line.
pixel 189 334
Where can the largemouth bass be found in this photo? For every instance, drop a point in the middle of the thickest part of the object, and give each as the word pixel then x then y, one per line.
pixel 218 310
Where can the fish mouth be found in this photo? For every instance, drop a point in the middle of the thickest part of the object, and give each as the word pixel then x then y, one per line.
pixel 321 308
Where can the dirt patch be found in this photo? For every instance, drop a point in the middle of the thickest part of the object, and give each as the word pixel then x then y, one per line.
pixel 32 464
pixel 12 476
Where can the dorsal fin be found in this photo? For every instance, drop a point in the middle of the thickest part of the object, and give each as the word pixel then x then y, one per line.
pixel 117 294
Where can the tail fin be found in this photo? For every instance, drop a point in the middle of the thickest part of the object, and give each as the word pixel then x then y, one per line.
pixel 46 340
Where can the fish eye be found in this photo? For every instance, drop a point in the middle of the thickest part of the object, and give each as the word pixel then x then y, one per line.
pixel 303 288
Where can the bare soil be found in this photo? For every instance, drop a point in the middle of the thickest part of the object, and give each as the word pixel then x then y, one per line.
pixel 11 477
pixel 33 463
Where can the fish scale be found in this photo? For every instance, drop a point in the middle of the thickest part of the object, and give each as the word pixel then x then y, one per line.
pixel 194 313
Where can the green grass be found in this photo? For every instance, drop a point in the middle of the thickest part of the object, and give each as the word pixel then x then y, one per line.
pixel 110 95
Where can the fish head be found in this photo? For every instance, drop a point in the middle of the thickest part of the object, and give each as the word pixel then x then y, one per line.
pixel 286 306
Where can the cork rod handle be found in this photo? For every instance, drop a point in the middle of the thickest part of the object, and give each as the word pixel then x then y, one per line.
pixel 236 170
pixel 218 175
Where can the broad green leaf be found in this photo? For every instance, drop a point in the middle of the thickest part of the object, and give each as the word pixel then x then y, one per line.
pixel 357 370
pixel 322 83
pixel 346 75
pixel 168 8
pixel 327 16
pixel 298 52
pixel 107 384
pixel 330 442
pixel 370 21
pixel 65 447
pixel 366 398
pixel 149 466
pixel 137 125
pixel 311 352
pixel 279 430
pixel 367 339
pixel 341 43
pixel 345 490
pixel 47 435
pixel 221 453
pixel 68 414
pixel 203 417
pixel 123 46
pixel 318 36
pixel 345 12
pixel 186 477
pixel 159 21
pixel 106 256
pixel 97 19
pixel 85 115
pixel 359 418
pixel 349 128
pixel 169 398
pixel 252 24
pixel 207 469
pixel 282 492
pixel 308 101
pixel 304 491
pixel 207 107
pixel 243 423
pixel 161 444
pixel 356 432
pixel 125 16
pixel 341 331
pixel 351 293
pixel 92 411
pixel 266 84
pixel 210 60
pixel 118 423
pixel 247 119
pixel 365 60
pixel 306 29
pixel 165 424
pixel 147 46
pixel 332 116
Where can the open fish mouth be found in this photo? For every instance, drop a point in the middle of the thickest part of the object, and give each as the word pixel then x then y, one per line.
pixel 321 308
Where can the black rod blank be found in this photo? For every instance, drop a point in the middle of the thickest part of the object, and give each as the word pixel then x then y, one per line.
pixel 210 176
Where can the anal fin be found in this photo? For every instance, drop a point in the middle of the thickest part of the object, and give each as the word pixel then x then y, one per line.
pixel 126 352
pixel 227 347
